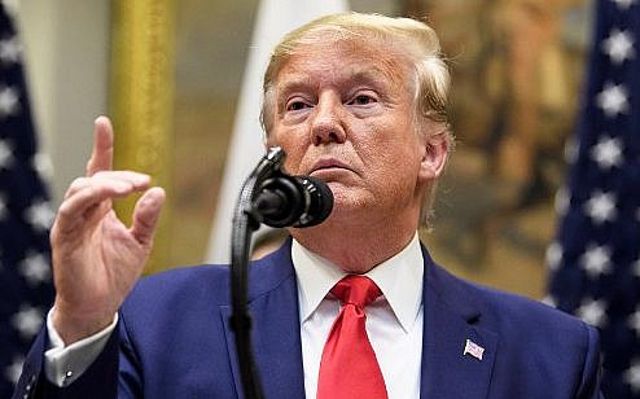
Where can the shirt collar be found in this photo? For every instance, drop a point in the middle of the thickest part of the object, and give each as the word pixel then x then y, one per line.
pixel 400 279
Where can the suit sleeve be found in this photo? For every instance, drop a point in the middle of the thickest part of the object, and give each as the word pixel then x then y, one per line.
pixel 64 364
pixel 112 375
pixel 592 370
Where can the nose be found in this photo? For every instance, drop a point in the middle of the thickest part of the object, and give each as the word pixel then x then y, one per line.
pixel 327 123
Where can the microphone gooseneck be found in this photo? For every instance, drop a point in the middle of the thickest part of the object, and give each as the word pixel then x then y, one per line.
pixel 271 197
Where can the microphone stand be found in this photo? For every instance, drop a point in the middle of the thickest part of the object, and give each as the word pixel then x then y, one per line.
pixel 246 220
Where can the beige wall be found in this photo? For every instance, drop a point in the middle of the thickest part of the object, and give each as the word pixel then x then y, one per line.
pixel 66 52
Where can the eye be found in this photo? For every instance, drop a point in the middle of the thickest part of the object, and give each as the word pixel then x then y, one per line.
pixel 296 105
pixel 363 99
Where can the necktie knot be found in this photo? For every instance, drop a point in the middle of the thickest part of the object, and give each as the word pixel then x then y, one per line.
pixel 357 290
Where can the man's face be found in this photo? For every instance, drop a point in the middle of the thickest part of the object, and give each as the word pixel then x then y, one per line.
pixel 345 115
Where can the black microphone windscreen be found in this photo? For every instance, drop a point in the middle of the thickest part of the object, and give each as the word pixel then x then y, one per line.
pixel 320 201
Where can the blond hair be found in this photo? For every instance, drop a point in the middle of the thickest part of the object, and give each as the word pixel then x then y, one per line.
pixel 414 38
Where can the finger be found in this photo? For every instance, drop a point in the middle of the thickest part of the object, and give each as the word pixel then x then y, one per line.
pixel 74 209
pixel 102 154
pixel 139 181
pixel 146 214
pixel 77 185
pixel 94 214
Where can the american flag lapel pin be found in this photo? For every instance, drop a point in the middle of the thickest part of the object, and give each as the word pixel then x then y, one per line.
pixel 473 349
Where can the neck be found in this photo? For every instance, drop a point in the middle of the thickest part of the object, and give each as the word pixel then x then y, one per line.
pixel 355 249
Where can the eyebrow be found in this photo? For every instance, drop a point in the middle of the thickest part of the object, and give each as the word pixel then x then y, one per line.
pixel 369 76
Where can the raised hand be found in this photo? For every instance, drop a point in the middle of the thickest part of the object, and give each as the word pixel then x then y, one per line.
pixel 96 258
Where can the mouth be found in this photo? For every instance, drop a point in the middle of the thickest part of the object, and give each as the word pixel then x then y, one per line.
pixel 328 165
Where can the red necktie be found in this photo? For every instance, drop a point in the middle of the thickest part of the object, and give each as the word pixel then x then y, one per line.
pixel 349 368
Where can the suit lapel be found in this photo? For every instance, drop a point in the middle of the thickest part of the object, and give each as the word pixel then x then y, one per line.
pixel 450 319
pixel 273 306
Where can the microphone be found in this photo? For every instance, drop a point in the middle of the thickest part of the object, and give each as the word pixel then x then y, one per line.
pixel 298 201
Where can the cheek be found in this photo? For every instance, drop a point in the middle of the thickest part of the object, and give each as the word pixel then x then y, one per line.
pixel 294 147
pixel 390 146
pixel 392 164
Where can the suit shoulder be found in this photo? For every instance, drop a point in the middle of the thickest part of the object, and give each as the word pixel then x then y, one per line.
pixel 207 282
pixel 180 285
pixel 546 347
pixel 185 276
pixel 515 313
pixel 502 304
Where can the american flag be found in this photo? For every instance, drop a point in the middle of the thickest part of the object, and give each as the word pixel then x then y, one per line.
pixel 595 259
pixel 25 216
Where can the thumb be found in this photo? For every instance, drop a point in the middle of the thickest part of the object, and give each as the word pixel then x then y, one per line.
pixel 146 214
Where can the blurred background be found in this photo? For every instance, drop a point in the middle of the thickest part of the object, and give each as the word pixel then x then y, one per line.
pixel 516 64
pixel 171 73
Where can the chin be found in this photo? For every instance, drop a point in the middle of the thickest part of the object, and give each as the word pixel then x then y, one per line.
pixel 347 205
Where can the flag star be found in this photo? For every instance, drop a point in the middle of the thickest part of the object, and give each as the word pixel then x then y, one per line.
pixel 10 50
pixel 35 269
pixel 632 376
pixel 618 46
pixel 40 215
pixel 27 321
pixel 592 312
pixel 601 207
pixel 596 260
pixel 9 101
pixel 624 4
pixel 608 152
pixel 613 99
pixel 562 201
pixel 6 154
pixel 634 321
pixel 11 7
pixel 13 371
pixel 42 163
pixel 554 256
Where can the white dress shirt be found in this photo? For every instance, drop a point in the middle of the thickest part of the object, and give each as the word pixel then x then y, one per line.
pixel 394 323
pixel 394 320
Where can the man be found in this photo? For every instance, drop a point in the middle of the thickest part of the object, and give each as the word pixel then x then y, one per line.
pixel 357 101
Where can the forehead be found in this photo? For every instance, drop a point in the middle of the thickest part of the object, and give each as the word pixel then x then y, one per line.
pixel 336 62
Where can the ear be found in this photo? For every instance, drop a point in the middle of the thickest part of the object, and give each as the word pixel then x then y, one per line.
pixel 435 154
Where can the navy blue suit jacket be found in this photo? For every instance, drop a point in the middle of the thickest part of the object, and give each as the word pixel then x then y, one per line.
pixel 174 341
